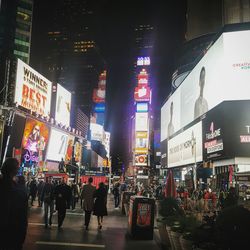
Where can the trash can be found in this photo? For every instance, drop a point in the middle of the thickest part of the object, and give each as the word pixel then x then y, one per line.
pixel 141 217
pixel 125 201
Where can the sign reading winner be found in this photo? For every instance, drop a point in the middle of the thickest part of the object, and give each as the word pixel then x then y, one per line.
pixel 33 91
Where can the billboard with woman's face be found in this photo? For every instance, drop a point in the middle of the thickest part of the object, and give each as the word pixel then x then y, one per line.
pixel 35 141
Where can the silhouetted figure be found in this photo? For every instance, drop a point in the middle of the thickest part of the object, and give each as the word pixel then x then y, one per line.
pixel 88 200
pixel 100 204
pixel 63 197
pixel 13 208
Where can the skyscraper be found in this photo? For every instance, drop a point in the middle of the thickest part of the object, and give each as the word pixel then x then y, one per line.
pixel 72 57
pixel 15 41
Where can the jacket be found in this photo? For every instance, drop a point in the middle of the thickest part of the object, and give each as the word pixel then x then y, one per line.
pixel 88 197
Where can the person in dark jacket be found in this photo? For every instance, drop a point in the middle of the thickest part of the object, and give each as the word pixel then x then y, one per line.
pixel 47 197
pixel 13 208
pixel 33 190
pixel 100 204
pixel 116 193
pixel 40 187
pixel 63 198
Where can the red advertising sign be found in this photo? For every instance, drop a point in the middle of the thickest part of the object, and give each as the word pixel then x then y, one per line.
pixel 142 94
pixel 99 95
pixel 143 215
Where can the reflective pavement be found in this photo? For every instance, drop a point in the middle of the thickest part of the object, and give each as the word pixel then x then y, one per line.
pixel 73 235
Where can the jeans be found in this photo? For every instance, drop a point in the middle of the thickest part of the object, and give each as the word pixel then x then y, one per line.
pixel 61 216
pixel 117 200
pixel 73 202
pixel 48 209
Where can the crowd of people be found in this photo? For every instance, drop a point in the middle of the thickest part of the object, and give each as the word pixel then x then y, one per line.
pixel 18 195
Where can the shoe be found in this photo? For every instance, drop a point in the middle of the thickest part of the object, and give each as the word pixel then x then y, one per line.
pixel 100 227
pixel 87 228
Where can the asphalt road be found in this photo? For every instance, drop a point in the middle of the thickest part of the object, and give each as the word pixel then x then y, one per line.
pixel 73 235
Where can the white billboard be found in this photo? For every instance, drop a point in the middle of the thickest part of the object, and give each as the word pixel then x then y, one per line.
pixel 63 105
pixel 186 147
pixel 58 143
pixel 32 90
pixel 222 74
pixel 97 132
pixel 141 121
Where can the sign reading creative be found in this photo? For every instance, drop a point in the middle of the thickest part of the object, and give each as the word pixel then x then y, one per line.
pixel 32 91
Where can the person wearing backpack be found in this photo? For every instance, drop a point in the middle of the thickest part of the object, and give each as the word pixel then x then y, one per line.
pixel 47 197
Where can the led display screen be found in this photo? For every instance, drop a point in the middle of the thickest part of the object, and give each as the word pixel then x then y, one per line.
pixel 222 74
pixel 142 107
pixel 32 91
pixel 63 105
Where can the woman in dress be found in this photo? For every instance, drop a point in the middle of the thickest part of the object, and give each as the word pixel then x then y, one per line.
pixel 100 205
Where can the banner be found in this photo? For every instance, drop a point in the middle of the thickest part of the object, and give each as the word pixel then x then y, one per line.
pixel 33 91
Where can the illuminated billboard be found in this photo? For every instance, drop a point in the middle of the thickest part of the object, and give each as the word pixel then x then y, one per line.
pixel 143 61
pixel 222 74
pixel 32 90
pixel 142 94
pixel 142 107
pixel 35 141
pixel 99 108
pixel 57 145
pixel 63 105
pixel 141 121
pixel 96 132
pixel 70 148
pixel 141 142
pixel 77 150
pixel 99 95
pixel 141 160
pixel 186 147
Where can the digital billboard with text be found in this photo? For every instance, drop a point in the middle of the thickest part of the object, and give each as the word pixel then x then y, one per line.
pixel 222 74
pixel 186 147
pixel 63 105
pixel 32 91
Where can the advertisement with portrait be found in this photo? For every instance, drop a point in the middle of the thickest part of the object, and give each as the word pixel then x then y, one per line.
pixel 143 218
pixel 217 72
pixel 77 150
pixel 63 105
pixel 34 142
pixel 57 147
pixel 141 121
pixel 106 143
pixel 70 149
pixel 164 153
pixel 186 147
pixel 226 131
pixel 32 90
pixel 99 95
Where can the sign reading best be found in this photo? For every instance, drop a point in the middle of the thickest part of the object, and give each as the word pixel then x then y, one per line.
pixel 33 91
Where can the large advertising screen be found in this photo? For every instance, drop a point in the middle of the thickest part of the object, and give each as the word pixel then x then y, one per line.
pixel 97 132
pixel 141 121
pixel 70 149
pixel 33 91
pixel 222 74
pixel 186 147
pixel 35 141
pixel 77 150
pixel 63 105
pixel 226 131
pixel 141 142
pixel 57 147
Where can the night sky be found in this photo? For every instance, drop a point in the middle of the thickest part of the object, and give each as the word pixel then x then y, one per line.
pixel 114 22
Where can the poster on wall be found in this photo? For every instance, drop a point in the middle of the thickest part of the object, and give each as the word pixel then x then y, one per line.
pixel 217 72
pixel 32 90
pixel 57 147
pixel 63 105
pixel 35 141
pixel 143 218
pixel 141 160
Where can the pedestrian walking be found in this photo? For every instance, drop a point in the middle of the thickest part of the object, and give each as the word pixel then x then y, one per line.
pixel 33 190
pixel 74 194
pixel 100 204
pixel 63 197
pixel 40 187
pixel 88 200
pixel 47 197
pixel 116 193
pixel 13 208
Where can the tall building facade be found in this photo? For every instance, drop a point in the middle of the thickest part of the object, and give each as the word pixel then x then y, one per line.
pixel 72 57
pixel 15 41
